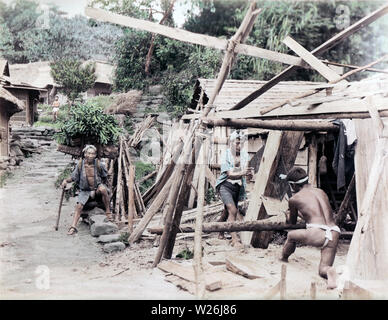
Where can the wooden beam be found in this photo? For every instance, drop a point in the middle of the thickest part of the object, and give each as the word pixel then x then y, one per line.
pixel 341 215
pixel 317 51
pixel 269 224
pixel 190 37
pixel 291 125
pixel 313 161
pixel 314 62
pixel 266 170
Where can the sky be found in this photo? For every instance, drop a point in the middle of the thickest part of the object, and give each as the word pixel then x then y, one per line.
pixel 74 7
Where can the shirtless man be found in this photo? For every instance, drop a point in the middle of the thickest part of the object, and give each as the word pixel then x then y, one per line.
pixel 55 106
pixel 90 178
pixel 312 204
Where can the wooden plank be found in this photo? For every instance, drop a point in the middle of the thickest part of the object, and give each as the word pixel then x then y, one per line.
pixel 274 206
pixel 314 62
pixel 330 109
pixel 317 51
pixel 187 272
pixel 210 177
pixel 275 187
pixel 190 37
pixel 374 114
pixel 246 268
pixel 266 170
pixel 368 251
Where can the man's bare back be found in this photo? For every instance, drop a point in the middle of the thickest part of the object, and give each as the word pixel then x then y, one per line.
pixel 313 206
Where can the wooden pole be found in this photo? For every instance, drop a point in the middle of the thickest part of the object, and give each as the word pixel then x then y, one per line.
pixel 197 263
pixel 313 161
pixel 181 200
pixel 257 225
pixel 131 198
pixel 290 125
pixel 171 201
pixel 119 179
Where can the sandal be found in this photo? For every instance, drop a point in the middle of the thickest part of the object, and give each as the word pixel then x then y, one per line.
pixel 72 230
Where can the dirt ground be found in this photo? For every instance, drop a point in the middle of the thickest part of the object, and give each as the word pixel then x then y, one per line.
pixel 37 262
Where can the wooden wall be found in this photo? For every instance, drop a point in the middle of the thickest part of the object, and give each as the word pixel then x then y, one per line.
pixel 368 252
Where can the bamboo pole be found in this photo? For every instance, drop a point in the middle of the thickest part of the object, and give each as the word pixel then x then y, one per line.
pixel 119 178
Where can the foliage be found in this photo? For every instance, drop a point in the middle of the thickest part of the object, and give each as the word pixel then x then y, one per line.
pixel 73 77
pixel 16 25
pixel 46 114
pixel 124 238
pixel 88 120
pixel 142 169
pixel 185 254
pixel 25 36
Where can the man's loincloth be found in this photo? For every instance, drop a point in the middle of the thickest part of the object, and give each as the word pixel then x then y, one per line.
pixel 327 229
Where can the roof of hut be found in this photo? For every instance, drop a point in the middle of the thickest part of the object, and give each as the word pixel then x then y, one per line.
pixel 12 103
pixel 37 74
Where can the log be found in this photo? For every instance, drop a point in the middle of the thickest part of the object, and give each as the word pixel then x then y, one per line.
pixel 290 125
pixel 152 210
pixel 131 198
pixel 258 225
pixel 181 201
pixel 171 202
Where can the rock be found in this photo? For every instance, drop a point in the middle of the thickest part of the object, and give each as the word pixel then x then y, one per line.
pixel 107 238
pixel 95 212
pixel 98 219
pixel 100 228
pixel 114 246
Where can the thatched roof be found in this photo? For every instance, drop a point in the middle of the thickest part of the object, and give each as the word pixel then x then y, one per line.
pixel 9 101
pixel 125 103
pixel 37 74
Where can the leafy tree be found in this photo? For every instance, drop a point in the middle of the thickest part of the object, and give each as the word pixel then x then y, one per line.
pixel 73 77
pixel 24 39
pixel 16 23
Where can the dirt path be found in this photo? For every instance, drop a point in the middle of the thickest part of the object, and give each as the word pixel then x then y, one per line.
pixel 37 262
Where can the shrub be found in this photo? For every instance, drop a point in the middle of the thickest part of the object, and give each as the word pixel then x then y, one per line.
pixel 89 121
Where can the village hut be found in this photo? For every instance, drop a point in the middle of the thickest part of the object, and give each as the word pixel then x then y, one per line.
pixel 9 105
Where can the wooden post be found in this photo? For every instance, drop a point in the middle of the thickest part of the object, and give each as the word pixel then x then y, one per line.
pixel 171 201
pixel 198 267
pixel 265 172
pixel 131 198
pixel 283 282
pixel 313 162
pixel 119 179
pixel 182 200
pixel 313 291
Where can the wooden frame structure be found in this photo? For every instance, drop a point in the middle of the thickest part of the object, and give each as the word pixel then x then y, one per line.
pixel 294 117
